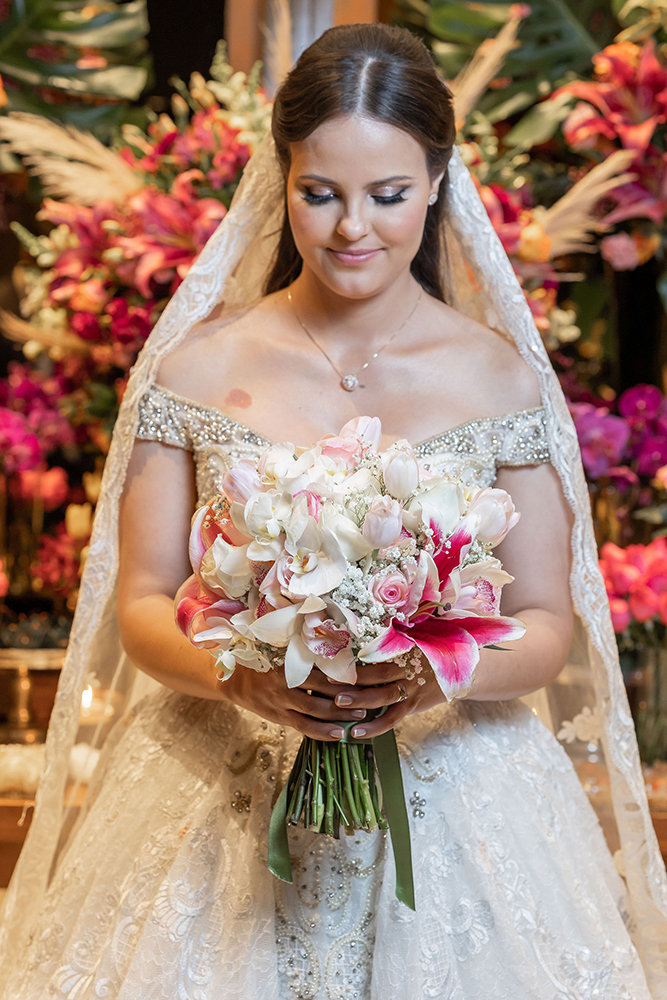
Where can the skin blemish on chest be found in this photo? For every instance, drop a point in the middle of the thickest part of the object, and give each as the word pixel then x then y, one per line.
pixel 239 398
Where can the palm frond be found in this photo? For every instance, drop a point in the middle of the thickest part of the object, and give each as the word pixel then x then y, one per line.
pixel 71 165
pixel 18 330
pixel 570 223
pixel 485 64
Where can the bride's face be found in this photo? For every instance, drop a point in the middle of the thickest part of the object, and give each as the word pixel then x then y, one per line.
pixel 357 196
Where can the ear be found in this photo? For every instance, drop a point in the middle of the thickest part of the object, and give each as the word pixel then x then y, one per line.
pixel 435 186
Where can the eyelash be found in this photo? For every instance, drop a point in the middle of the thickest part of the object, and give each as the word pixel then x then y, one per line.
pixel 320 199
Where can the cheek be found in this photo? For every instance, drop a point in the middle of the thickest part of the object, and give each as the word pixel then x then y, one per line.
pixel 310 227
pixel 402 229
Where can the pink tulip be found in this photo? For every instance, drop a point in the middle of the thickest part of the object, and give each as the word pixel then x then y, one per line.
pixel 242 481
pixel 495 514
pixel 383 522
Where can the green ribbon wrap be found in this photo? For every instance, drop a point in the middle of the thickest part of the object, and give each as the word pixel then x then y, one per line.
pixel 393 796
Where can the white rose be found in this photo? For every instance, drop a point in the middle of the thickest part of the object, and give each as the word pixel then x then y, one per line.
pixel 226 567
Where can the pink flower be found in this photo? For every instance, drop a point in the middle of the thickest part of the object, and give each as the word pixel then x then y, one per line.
pixel 643 603
pixel 640 401
pixel 620 614
pixel 622 477
pixel 323 636
pixel 51 485
pixel 652 455
pixel 621 251
pixel 602 437
pixel 129 324
pixel 448 638
pixel 495 513
pixel 19 448
pixel 242 481
pixel 86 325
pixel 383 523
pixel 390 589
pixel 204 621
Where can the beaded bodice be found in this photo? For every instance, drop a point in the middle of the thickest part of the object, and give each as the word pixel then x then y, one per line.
pixel 471 452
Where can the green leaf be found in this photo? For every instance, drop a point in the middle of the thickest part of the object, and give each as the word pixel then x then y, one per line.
pixel 540 124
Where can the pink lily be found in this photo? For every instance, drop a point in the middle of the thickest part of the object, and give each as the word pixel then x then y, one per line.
pixel 449 638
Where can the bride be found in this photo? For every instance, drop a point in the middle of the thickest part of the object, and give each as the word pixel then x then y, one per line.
pixel 385 293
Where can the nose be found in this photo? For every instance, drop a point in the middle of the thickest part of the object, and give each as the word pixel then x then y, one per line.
pixel 353 224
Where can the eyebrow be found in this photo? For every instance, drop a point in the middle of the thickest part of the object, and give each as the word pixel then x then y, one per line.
pixel 326 180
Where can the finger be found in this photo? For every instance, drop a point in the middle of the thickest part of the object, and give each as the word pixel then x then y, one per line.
pixel 327 731
pixel 370 697
pixel 323 708
pixel 371 674
pixel 317 681
pixel 385 722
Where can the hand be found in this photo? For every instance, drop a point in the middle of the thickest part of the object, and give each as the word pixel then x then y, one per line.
pixel 378 685
pixel 310 709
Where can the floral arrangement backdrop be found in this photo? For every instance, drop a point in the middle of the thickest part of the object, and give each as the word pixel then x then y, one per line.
pixel 562 116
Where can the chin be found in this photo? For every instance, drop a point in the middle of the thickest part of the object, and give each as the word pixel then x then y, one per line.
pixel 363 283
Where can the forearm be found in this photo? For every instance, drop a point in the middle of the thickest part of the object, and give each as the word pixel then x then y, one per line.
pixel 526 664
pixel 154 644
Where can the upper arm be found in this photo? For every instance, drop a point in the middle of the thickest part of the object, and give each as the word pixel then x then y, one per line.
pixel 158 500
pixel 537 551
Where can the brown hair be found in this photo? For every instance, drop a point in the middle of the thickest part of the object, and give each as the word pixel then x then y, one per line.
pixel 381 72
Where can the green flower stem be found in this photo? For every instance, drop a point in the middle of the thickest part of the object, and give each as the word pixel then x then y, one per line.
pixel 329 772
pixel 347 785
pixel 364 790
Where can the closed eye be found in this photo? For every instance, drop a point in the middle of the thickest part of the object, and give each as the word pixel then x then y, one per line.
pixel 320 199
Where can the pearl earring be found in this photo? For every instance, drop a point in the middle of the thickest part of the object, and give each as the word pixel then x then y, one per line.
pixel 432 199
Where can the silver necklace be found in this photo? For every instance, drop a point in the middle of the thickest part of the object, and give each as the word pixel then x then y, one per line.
pixel 351 382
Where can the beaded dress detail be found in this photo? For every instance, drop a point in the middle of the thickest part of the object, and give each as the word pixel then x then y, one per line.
pixel 164 884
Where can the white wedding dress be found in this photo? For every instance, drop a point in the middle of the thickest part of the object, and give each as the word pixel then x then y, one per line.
pixel 163 891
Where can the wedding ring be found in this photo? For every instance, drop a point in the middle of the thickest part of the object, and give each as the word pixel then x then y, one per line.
pixel 403 692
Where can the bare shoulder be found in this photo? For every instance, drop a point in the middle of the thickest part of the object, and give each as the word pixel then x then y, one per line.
pixel 492 369
pixel 213 346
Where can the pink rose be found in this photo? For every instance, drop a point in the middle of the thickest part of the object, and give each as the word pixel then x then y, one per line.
pixel 382 524
pixel 242 482
pixel 496 515
pixel 390 589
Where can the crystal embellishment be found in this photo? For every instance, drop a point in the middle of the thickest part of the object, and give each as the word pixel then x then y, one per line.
pixel 349 382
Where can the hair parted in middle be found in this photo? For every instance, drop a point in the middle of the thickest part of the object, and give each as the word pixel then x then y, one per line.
pixel 380 72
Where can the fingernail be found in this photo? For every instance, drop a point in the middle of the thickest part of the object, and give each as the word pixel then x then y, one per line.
pixel 358 731
pixel 359 713
pixel 337 734
pixel 343 699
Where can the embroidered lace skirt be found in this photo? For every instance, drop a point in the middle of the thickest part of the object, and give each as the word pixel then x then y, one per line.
pixel 164 893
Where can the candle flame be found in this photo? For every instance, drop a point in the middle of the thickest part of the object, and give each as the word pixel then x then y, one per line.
pixel 87 697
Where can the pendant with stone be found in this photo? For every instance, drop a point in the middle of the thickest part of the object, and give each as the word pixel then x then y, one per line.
pixel 349 382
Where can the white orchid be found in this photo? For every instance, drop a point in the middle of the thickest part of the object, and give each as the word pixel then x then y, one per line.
pixel 279 467
pixel 264 516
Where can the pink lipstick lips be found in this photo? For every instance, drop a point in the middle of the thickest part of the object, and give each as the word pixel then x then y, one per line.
pixel 356 256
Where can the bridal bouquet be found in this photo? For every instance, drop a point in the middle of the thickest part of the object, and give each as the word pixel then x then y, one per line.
pixel 338 556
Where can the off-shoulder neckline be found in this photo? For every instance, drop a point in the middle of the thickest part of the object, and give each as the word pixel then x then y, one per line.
pixel 476 421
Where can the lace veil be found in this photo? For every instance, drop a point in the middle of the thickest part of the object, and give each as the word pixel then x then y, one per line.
pixel 480 282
